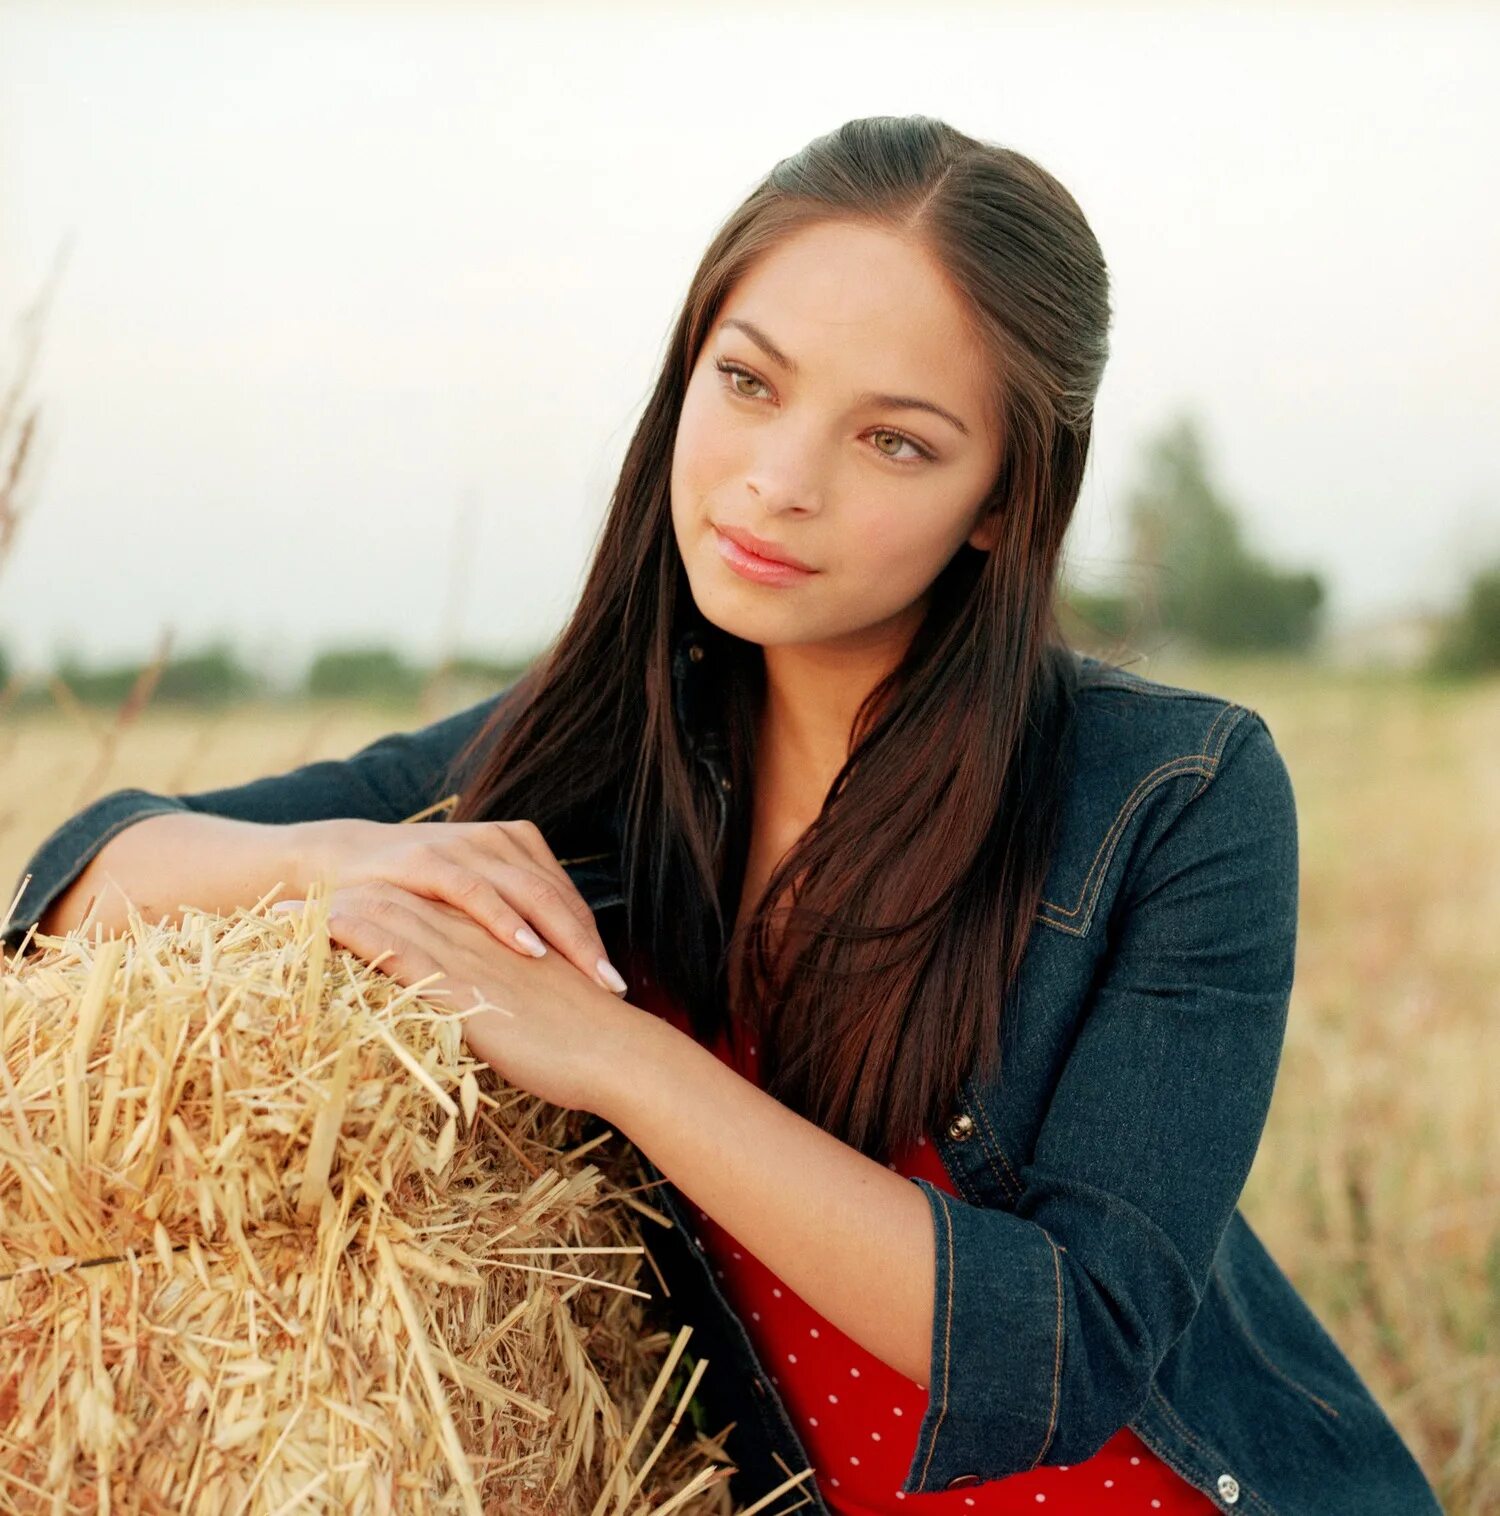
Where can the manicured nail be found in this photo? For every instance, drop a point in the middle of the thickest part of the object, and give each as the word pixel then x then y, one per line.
pixel 611 976
pixel 530 941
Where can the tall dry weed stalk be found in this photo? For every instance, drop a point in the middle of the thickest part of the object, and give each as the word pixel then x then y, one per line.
pixel 20 413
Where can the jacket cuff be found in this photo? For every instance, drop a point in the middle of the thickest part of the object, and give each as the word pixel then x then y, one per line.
pixel 65 854
pixel 1007 1407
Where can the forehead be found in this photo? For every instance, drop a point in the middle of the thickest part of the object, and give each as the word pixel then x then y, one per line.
pixel 858 303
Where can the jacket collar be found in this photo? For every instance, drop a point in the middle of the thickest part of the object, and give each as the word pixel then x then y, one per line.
pixel 693 679
pixel 693 675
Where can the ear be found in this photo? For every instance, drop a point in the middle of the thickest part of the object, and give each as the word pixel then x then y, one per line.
pixel 986 534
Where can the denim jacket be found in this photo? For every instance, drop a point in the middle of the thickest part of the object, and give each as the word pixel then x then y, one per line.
pixel 1094 1269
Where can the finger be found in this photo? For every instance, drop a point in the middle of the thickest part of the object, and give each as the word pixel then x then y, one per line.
pixel 520 835
pixel 550 908
pixel 523 900
pixel 526 836
pixel 478 898
pixel 374 933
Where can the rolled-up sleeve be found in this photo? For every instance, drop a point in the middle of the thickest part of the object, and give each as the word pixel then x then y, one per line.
pixel 1051 1319
pixel 391 779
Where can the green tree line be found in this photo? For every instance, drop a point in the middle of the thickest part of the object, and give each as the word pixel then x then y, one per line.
pixel 218 675
pixel 1191 578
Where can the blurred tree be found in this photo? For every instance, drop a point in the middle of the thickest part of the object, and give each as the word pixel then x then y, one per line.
pixel 496 671
pixel 363 673
pixel 1470 644
pixel 214 676
pixel 1101 622
pixel 1198 578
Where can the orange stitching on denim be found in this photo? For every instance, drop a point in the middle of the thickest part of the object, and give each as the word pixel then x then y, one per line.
pixel 1209 1453
pixel 1234 711
pixel 1123 814
pixel 1135 797
pixel 1056 1352
pixel 1260 1353
pixel 1009 1175
pixel 947 1340
pixel 1169 1457
pixel 1182 1426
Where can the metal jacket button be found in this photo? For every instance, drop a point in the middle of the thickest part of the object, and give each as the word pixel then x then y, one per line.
pixel 1229 1487
pixel 961 1128
pixel 695 653
pixel 962 1481
pixel 726 783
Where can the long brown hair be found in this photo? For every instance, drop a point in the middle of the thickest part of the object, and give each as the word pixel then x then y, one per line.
pixel 915 888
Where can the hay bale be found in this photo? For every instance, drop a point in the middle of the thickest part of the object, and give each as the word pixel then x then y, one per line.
pixel 273 1240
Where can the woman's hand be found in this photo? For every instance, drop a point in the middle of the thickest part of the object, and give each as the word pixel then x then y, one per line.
pixel 549 1030
pixel 501 874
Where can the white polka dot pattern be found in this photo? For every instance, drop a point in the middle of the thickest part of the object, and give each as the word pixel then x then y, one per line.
pixel 841 1397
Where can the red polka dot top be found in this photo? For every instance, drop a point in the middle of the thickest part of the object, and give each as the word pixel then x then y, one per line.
pixel 858 1417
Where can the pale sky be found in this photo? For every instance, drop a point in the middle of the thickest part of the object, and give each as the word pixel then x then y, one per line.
pixel 362 302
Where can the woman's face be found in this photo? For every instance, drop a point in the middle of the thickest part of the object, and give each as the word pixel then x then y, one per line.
pixel 808 449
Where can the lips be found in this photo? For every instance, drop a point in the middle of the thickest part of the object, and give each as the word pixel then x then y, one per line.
pixel 763 549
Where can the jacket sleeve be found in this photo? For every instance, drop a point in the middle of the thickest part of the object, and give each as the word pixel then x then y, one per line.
pixel 393 778
pixel 1050 1320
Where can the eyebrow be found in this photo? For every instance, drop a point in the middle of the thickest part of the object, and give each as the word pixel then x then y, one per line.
pixel 870 397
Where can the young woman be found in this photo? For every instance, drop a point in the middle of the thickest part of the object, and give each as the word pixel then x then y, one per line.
pixel 957 963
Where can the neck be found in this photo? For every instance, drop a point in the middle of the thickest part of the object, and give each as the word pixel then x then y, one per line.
pixel 813 693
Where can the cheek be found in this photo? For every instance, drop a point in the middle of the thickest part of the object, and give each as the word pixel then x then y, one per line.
pixel 898 546
pixel 709 449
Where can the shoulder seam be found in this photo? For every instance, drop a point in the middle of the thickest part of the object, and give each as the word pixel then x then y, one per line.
pixel 1077 919
pixel 1213 749
pixel 1151 688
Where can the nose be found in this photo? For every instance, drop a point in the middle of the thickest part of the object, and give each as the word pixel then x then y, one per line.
pixel 786 468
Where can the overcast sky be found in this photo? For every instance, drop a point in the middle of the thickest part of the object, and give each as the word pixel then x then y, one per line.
pixel 361 302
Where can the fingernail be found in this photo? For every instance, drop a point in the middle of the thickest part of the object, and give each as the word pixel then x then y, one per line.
pixel 287 905
pixel 530 941
pixel 611 976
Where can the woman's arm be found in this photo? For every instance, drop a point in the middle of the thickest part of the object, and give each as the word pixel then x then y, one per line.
pixel 1038 1330
pixel 849 1235
pixel 391 779
pixel 172 858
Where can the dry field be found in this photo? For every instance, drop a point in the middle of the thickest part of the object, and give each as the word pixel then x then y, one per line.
pixel 1377 1186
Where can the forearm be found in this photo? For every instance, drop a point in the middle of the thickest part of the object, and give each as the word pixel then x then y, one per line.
pixel 215 863
pixel 852 1237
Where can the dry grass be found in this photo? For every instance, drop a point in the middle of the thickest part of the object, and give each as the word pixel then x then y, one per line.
pixel 1375 1186
pixel 272 1239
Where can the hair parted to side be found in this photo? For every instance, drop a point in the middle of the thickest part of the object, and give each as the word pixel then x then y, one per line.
pixel 916 887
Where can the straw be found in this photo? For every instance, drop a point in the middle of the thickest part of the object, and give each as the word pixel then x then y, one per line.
pixel 272 1239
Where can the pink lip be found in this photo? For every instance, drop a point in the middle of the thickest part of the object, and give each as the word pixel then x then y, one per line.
pixel 752 565
pixel 761 548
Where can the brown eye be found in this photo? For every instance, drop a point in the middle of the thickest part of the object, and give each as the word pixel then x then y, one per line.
pixel 902 440
pixel 734 373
